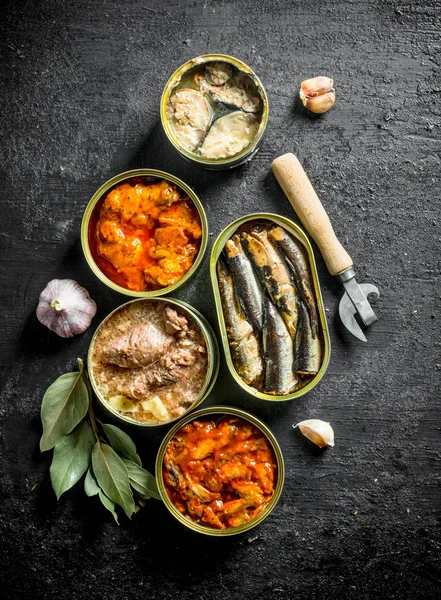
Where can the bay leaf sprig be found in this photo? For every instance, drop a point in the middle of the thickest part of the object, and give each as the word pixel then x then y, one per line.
pixel 64 405
pixel 83 445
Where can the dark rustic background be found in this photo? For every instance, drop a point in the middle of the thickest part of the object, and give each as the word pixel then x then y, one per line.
pixel 80 88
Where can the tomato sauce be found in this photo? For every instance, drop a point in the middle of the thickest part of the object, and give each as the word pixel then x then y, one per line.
pixel 220 473
pixel 145 236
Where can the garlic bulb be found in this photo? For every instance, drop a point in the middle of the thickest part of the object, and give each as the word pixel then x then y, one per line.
pixel 319 432
pixel 65 307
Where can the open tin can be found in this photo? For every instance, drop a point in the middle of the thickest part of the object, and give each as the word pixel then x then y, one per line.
pixel 297 233
pixel 92 214
pixel 213 110
pixel 212 353
pixel 210 412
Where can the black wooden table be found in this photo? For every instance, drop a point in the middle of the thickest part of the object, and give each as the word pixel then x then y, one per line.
pixel 80 88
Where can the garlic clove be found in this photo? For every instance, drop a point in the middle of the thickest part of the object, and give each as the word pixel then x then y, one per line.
pixel 316 86
pixel 319 432
pixel 317 94
pixel 65 307
pixel 319 104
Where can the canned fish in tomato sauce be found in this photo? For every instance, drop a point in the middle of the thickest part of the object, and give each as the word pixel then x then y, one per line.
pixel 137 228
pixel 252 468
pixel 214 111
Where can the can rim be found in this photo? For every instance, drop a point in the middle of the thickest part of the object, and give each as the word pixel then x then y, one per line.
pixel 97 197
pixel 212 353
pixel 224 410
pixel 215 253
pixel 174 80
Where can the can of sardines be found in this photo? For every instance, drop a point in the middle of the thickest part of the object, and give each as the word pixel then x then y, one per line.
pixel 269 307
pixel 214 111
pixel 152 360
pixel 220 471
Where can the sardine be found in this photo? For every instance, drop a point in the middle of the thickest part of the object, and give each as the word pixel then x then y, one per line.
pixel 275 275
pixel 278 351
pixel 184 484
pixel 234 506
pixel 308 355
pixel 300 269
pixel 175 477
pixel 244 346
pixel 246 286
pixel 218 73
pixel 196 490
pixel 189 115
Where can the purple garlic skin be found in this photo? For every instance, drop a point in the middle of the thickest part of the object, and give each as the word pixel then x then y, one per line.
pixel 65 307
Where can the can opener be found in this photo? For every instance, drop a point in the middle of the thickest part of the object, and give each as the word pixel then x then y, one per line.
pixel 303 198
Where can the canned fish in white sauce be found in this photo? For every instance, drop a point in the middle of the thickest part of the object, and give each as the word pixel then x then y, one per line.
pixel 214 111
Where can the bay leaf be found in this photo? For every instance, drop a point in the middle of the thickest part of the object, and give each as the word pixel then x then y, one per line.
pixel 91 486
pixel 108 504
pixel 142 481
pixel 112 476
pixel 71 458
pixel 64 404
pixel 121 443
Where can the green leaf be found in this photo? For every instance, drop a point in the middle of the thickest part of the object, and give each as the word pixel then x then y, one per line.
pixel 142 481
pixel 64 404
pixel 108 504
pixel 121 443
pixel 113 479
pixel 71 458
pixel 91 486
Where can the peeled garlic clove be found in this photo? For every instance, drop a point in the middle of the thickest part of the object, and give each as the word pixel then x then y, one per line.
pixel 65 307
pixel 319 432
pixel 319 104
pixel 316 86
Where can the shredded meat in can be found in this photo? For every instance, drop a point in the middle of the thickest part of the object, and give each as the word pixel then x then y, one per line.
pixel 149 361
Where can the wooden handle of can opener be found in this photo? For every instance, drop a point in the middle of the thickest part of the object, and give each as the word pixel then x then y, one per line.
pixel 296 185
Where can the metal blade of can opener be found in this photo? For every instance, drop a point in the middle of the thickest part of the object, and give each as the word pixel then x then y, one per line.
pixel 303 198
pixel 355 301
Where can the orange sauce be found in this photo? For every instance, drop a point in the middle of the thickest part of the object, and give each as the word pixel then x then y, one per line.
pixel 220 473
pixel 145 235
